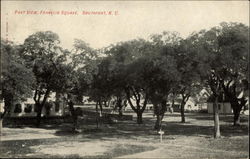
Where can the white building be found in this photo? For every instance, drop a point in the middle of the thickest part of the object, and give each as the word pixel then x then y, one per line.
pixel 224 105
pixel 56 107
pixel 224 108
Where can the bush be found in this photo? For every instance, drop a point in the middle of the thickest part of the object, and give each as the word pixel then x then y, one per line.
pixel 203 111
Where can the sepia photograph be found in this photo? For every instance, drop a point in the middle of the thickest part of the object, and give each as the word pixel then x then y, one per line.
pixel 124 79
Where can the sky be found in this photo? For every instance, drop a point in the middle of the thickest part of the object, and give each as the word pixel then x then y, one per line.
pixel 129 19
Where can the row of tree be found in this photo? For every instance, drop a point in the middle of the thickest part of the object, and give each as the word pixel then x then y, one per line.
pixel 137 70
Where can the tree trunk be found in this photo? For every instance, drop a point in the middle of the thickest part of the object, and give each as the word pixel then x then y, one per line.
pixel 236 113
pixel 5 108
pixel 182 110
pixel 138 109
pixel 1 126
pixel 172 106
pixel 120 111
pixel 182 113
pixel 237 107
pixel 73 114
pixel 97 116
pixel 41 105
pixel 237 119
pixel 160 110
pixel 100 104
pixel 119 105
pixel 216 119
pixel 1 119
pixel 139 117
pixel 39 114
pixel 183 102
pixel 158 123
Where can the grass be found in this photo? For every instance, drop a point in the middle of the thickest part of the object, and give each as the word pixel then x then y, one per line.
pixel 126 139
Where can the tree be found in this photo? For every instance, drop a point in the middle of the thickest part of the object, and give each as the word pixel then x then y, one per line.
pixel 189 83
pixel 125 72
pixel 226 48
pixel 149 70
pixel 163 70
pixel 234 47
pixel 163 76
pixel 208 60
pixel 44 56
pixel 17 78
pixel 136 89
pixel 84 62
pixel 151 74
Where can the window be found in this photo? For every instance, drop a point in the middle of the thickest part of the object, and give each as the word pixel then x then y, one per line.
pixel 18 108
pixel 28 108
pixel 219 106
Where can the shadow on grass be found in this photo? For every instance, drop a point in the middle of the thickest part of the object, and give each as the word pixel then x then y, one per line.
pixel 194 130
pixel 19 148
pixel 68 132
pixel 131 130
pixel 228 118
pixel 145 132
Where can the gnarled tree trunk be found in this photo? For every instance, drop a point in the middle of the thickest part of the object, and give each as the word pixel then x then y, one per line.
pixel 138 109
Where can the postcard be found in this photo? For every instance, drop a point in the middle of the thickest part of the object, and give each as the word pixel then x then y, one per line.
pixel 124 79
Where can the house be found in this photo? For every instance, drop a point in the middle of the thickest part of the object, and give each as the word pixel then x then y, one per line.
pixel 224 105
pixel 56 105
pixel 190 105
pixel 196 102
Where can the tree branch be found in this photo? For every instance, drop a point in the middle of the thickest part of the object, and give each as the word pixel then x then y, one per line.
pixel 129 100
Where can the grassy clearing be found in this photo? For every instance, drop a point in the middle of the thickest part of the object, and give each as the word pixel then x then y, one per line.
pixel 126 139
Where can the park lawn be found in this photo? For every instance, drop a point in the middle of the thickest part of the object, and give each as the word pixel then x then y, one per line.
pixel 126 139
